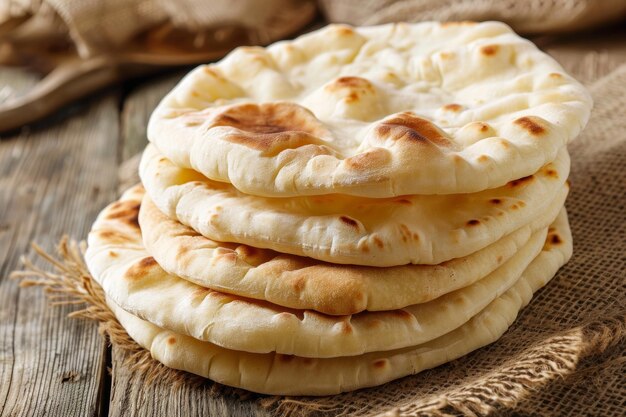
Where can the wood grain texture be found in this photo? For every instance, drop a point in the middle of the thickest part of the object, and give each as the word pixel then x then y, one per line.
pixel 53 180
pixel 131 397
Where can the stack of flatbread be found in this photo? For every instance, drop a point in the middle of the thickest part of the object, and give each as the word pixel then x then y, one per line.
pixel 344 209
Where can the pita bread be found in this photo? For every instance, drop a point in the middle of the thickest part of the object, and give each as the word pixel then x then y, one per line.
pixel 418 229
pixel 384 111
pixel 136 282
pixel 304 283
pixel 278 374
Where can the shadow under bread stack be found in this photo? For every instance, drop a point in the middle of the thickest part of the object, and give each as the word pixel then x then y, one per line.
pixel 355 205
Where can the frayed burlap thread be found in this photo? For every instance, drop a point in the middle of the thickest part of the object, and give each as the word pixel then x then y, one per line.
pixel 571 336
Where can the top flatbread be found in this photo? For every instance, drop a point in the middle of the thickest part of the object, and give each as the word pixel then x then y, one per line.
pixel 381 111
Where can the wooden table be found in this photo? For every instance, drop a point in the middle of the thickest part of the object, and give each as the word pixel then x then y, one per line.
pixel 54 179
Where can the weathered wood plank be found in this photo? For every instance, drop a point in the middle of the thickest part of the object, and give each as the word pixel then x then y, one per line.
pixel 53 180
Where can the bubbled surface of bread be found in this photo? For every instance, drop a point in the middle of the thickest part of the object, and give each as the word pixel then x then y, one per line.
pixel 383 111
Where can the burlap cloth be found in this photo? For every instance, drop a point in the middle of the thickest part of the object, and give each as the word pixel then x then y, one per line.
pixel 97 26
pixel 525 16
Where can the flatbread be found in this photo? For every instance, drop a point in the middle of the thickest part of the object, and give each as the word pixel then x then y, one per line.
pixel 426 108
pixel 418 229
pixel 304 283
pixel 136 282
pixel 278 374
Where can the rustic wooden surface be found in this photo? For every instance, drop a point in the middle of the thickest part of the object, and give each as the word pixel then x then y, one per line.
pixel 54 178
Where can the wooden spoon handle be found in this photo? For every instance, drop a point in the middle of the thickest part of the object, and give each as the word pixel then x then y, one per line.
pixel 66 83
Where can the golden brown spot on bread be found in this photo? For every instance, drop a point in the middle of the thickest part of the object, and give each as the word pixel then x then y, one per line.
pixel 171 340
pixel 555 75
pixel 473 222
pixel 552 173
pixel 380 363
pixel 285 358
pixel 406 233
pixel 408 126
pixel 555 239
pixel 344 31
pixel 113 237
pixel 489 50
pixel 113 254
pixel 375 158
pixel 378 241
pixel 499 259
pixel 351 88
pixel 147 262
pixel 531 124
pixel 349 221
pixel 521 181
pixel 495 201
pixel 141 268
pixel 271 127
pixel 403 201
pixel 126 211
pixel 482 158
pixel 482 127
pixel 352 97
pixel 452 107
pixel 349 82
